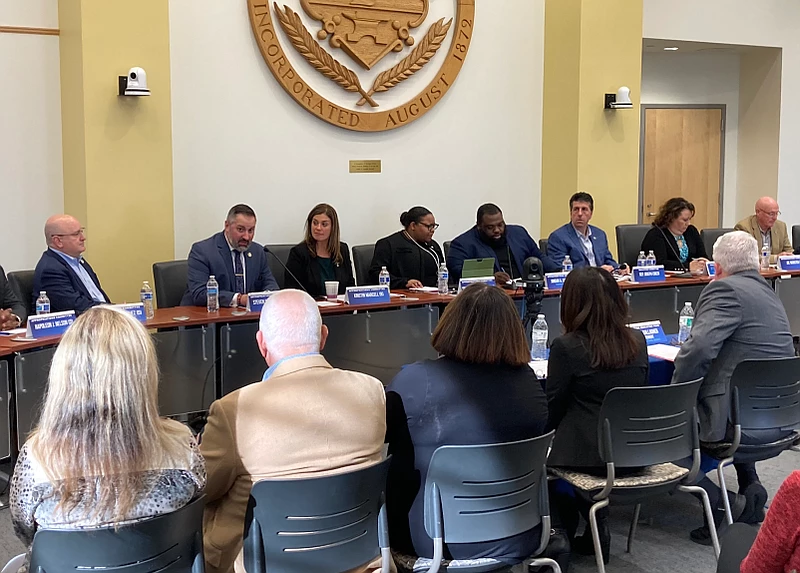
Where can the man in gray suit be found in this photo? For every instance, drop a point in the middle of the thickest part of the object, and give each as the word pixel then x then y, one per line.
pixel 738 317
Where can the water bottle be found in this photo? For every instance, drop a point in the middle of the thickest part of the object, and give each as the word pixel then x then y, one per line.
pixel 641 260
pixel 650 260
pixel 539 339
pixel 765 257
pixel 566 266
pixel 212 294
pixel 442 279
pixel 384 278
pixel 146 296
pixel 685 321
pixel 42 303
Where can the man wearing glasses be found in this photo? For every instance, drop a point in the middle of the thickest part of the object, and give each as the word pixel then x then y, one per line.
pixel 62 272
pixel 765 228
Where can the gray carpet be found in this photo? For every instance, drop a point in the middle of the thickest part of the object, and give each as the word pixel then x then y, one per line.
pixel 662 542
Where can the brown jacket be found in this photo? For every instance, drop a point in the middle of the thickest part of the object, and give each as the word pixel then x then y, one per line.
pixel 306 419
pixel 778 234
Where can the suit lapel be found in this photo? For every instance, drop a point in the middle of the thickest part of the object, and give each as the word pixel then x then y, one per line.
pixel 227 260
pixel 573 234
pixel 250 270
pixel 76 280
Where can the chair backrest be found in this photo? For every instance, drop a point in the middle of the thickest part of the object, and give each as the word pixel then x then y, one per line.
pixel 766 393
pixel 326 524
pixel 543 246
pixel 487 492
pixel 281 253
pixel 446 247
pixel 362 259
pixel 168 543
pixel 170 282
pixel 629 242
pixel 796 236
pixel 710 236
pixel 22 284
pixel 735 543
pixel 647 425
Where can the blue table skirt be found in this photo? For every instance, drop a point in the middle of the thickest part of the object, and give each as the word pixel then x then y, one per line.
pixel 660 371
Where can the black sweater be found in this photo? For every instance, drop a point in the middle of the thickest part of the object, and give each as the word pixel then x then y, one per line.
pixel 306 268
pixel 405 260
pixel 665 248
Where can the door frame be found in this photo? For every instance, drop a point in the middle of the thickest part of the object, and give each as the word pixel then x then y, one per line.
pixel 723 128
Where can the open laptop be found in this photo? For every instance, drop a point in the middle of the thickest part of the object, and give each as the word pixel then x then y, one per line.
pixel 477 268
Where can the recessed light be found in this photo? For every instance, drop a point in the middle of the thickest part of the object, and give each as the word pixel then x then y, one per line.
pixel 671 48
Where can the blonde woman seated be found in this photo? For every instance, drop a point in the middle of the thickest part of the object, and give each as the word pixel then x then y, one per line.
pixel 101 454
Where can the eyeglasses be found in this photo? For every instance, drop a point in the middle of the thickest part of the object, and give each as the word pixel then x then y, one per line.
pixel 770 213
pixel 76 234
pixel 431 228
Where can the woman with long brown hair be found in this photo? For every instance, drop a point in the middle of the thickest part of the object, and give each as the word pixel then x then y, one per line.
pixel 675 242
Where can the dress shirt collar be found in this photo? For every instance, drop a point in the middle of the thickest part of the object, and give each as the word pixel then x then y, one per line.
pixel 585 235
pixel 271 370
pixel 71 260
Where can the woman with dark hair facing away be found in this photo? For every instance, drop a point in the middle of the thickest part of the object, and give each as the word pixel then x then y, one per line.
pixel 411 256
pixel 675 242
pixel 321 256
pixel 596 353
pixel 480 391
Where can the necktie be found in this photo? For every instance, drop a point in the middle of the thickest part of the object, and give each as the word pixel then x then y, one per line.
pixel 238 270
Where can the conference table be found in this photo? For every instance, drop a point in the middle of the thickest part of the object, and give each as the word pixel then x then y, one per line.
pixel 203 356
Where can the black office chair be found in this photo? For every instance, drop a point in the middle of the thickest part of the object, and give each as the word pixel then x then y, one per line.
pixel 446 247
pixel 279 252
pixel 362 259
pixel 328 524
pixel 168 543
pixel 22 284
pixel 543 246
pixel 170 282
pixel 710 236
pixel 736 541
pixel 629 242
pixel 765 395
pixel 796 237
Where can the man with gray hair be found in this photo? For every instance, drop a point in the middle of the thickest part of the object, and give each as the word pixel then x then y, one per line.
pixel 739 317
pixel 304 419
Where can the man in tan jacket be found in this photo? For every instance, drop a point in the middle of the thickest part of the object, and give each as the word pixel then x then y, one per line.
pixel 305 418
pixel 765 227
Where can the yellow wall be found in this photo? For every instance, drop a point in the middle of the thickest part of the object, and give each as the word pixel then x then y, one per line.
pixel 118 150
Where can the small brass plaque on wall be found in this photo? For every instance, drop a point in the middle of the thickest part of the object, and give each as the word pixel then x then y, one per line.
pixel 365 166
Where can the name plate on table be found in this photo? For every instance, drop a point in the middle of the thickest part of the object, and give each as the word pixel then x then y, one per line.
pixel 555 281
pixel 652 330
pixel 367 295
pixel 649 274
pixel 255 300
pixel 464 283
pixel 53 324
pixel 711 268
pixel 135 309
pixel 789 263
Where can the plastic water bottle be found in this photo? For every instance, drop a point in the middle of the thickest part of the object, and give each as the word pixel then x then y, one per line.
pixel 42 303
pixel 566 266
pixel 765 257
pixel 641 260
pixel 685 321
pixel 539 339
pixel 212 294
pixel 146 296
pixel 383 278
pixel 442 279
pixel 650 260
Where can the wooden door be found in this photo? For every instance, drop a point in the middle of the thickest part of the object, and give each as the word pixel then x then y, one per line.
pixel 682 158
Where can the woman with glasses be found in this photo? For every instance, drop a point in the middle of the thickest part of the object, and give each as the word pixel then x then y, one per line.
pixel 411 256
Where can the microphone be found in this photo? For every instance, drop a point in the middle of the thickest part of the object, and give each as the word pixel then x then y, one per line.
pixel 285 268
pixel 677 256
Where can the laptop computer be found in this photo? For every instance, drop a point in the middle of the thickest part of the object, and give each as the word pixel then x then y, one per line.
pixel 477 268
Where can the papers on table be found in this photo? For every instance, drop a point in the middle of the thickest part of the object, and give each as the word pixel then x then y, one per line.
pixel 539 367
pixel 327 303
pixel 13 332
pixel 663 351
pixel 425 289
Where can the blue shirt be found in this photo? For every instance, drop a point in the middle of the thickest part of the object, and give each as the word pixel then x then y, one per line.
pixel 271 370
pixel 75 265
pixel 586 242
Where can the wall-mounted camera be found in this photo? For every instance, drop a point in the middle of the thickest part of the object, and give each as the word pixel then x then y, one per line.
pixel 134 84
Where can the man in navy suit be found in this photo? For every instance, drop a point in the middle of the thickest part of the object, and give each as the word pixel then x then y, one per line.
pixel 239 264
pixel 585 244
pixel 62 272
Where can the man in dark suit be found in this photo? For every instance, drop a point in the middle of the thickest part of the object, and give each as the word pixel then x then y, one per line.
pixel 739 317
pixel 12 311
pixel 238 264
pixel 62 272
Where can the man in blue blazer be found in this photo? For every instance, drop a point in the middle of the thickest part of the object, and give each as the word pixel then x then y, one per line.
pixel 508 245
pixel 62 272
pixel 239 264
pixel 585 244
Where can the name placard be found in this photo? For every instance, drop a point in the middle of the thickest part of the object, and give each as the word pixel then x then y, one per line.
pixel 652 330
pixel 789 263
pixel 649 274
pixel 135 309
pixel 53 324
pixel 555 281
pixel 464 283
pixel 711 268
pixel 367 295
pixel 255 300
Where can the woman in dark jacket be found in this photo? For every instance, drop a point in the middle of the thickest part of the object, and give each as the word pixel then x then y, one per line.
pixel 481 391
pixel 675 242
pixel 411 256
pixel 596 353
pixel 321 256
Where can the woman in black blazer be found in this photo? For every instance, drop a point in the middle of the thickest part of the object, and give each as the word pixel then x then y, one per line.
pixel 321 256
pixel 675 242
pixel 596 353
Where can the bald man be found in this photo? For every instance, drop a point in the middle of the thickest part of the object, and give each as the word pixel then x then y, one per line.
pixel 765 228
pixel 62 272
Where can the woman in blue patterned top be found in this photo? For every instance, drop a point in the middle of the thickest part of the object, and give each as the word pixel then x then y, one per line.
pixel 675 242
